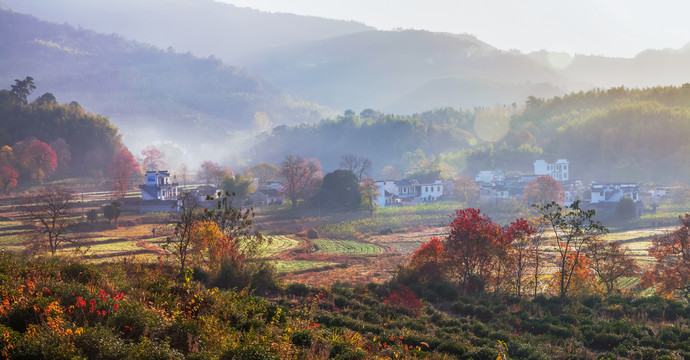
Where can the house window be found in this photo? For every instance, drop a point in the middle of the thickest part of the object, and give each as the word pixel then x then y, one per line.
pixel 438 188
pixel 426 189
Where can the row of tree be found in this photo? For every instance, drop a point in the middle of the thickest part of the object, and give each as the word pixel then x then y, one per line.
pixel 479 255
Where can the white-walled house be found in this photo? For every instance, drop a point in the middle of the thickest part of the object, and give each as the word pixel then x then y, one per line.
pixel 490 176
pixel 613 193
pixel 158 186
pixel 558 171
pixel 431 192
pixel 158 193
pixel 410 191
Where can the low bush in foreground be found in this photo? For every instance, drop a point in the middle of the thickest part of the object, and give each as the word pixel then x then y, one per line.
pixel 54 309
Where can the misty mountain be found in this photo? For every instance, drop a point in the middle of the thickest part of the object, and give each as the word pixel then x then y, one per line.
pixel 405 71
pixel 647 69
pixel 336 63
pixel 150 94
pixel 203 27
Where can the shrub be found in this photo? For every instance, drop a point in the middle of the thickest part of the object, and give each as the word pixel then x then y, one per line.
pixel 453 348
pixel 92 215
pixel 302 338
pixel 605 341
pixel 404 300
pixel 148 349
pixel 312 234
pixel 482 353
pixel 519 350
pixel 249 352
pixel 98 342
pixel 81 272
pixel 298 289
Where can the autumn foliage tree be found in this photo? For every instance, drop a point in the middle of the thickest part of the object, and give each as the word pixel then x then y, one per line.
pixel 465 190
pixel 8 177
pixel 122 167
pixel 611 261
pixel 35 158
pixel 299 175
pixel 473 245
pixel 429 261
pixel 544 189
pixel 369 192
pixel 213 173
pixel 671 271
pixel 153 158
pixel 573 229
pixel 520 253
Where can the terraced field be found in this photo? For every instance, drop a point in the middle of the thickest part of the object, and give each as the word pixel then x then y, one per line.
pixel 279 243
pixel 340 247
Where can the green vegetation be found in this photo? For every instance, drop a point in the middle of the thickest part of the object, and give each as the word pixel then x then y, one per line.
pixel 132 310
pixel 278 244
pixel 327 246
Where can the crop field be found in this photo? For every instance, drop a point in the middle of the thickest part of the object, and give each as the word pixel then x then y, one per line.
pixel 349 247
pixel 279 244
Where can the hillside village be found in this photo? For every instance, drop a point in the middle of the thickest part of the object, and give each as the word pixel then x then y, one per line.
pixel 161 192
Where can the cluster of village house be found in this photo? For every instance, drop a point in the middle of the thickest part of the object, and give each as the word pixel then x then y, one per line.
pixel 160 193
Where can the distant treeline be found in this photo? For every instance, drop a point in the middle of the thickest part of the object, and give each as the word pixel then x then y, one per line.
pixel 617 134
pixel 607 135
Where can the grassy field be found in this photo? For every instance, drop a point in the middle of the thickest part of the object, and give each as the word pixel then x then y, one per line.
pixel 327 246
pixel 278 244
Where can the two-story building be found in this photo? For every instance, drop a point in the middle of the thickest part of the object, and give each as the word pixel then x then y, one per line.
pixel 411 191
pixel 558 171
pixel 159 186
pixel 159 192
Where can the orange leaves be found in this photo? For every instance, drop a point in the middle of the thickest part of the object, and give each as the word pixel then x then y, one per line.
pixel 428 260
pixel 543 190
pixel 209 244
pixel 671 272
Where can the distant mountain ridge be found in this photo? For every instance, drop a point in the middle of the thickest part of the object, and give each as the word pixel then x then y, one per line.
pixel 203 27
pixel 152 95
pixel 344 64
pixel 380 69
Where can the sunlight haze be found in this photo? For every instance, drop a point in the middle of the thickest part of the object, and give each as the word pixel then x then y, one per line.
pixel 590 27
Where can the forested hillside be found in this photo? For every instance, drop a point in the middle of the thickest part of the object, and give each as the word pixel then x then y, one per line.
pixel 608 135
pixel 43 137
pixel 617 134
pixel 152 95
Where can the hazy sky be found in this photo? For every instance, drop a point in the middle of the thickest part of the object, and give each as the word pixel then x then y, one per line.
pixel 598 27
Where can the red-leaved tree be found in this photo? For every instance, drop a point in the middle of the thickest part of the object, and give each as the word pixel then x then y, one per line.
pixel 153 158
pixel 671 271
pixel 36 159
pixel 473 246
pixel 429 261
pixel 122 167
pixel 544 190
pixel 521 253
pixel 8 177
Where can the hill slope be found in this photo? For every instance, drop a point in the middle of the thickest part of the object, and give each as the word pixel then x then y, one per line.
pixel 378 69
pixel 150 94
pixel 204 27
